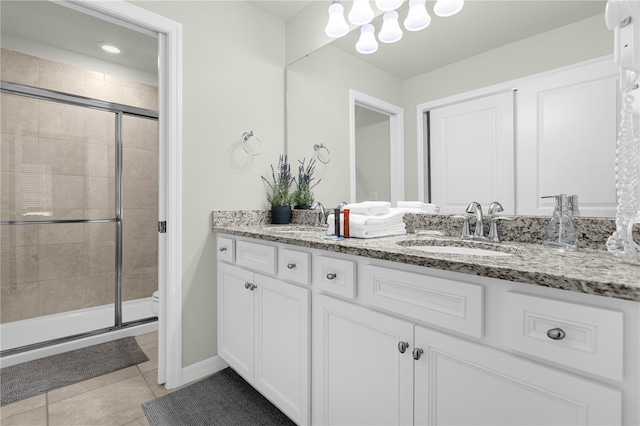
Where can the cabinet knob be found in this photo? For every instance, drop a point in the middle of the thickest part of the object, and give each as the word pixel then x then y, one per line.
pixel 291 265
pixel 222 249
pixel 402 347
pixel 556 334
pixel 250 286
pixel 417 353
pixel 331 276
pixel 247 285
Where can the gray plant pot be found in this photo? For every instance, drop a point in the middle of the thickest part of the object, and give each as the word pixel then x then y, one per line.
pixel 281 215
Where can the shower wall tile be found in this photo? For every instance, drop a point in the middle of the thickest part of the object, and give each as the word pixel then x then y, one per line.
pixel 61 295
pixel 140 133
pixel 19 301
pixel 62 261
pixel 64 233
pixel 67 214
pixel 19 68
pixel 19 265
pixel 60 121
pixel 140 98
pixel 19 115
pixel 140 224
pixel 17 150
pixel 139 286
pixel 140 193
pixel 101 257
pixel 60 77
pixel 67 192
pixel 99 290
pixel 139 255
pixel 99 193
pixel 99 213
pixel 103 90
pixel 99 232
pixel 18 236
pixel 99 127
pixel 97 161
pixel 64 157
pixel 140 164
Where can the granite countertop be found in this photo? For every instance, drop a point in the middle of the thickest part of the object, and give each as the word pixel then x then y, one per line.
pixel 589 271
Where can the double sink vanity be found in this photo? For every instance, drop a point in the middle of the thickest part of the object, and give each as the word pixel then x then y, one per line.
pixel 425 328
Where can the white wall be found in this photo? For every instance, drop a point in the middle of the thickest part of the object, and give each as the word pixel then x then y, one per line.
pixel 233 82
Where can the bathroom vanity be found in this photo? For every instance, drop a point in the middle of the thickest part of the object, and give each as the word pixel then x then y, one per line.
pixel 380 332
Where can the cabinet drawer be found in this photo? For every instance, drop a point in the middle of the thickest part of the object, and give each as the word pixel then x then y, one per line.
pixel 259 257
pixel 578 336
pixel 294 266
pixel 335 276
pixel 446 303
pixel 226 249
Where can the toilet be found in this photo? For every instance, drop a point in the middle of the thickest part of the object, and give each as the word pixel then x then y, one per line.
pixel 155 302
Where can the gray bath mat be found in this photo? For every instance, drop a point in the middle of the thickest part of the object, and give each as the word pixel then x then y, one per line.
pixel 41 375
pixel 222 399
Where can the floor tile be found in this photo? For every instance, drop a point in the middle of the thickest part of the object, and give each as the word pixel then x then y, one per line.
pixel 115 404
pixel 23 406
pixel 151 350
pixel 147 338
pixel 142 421
pixel 36 417
pixel 91 384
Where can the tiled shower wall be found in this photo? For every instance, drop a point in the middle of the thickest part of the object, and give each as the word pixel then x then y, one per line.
pixel 57 162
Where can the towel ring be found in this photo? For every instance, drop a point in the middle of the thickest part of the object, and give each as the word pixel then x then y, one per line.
pixel 317 149
pixel 245 137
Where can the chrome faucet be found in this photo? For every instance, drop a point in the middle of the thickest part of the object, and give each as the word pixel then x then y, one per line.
pixel 475 207
pixel 321 216
pixel 494 209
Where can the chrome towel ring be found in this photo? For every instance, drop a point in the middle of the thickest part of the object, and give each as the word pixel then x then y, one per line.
pixel 322 152
pixel 245 137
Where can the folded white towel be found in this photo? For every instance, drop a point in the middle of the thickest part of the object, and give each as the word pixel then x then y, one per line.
pixel 427 207
pixel 415 210
pixel 369 207
pixel 394 216
pixel 376 232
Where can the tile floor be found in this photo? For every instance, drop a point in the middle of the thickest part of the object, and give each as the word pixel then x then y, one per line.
pixel 113 399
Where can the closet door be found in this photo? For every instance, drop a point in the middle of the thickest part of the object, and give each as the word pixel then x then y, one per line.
pixel 567 123
pixel 472 153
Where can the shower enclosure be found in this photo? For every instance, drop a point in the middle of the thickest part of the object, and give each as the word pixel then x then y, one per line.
pixel 78 230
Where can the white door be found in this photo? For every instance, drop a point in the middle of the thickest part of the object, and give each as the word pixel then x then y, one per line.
pixel 236 319
pixel 282 367
pixel 567 125
pixel 471 153
pixel 462 383
pixel 359 375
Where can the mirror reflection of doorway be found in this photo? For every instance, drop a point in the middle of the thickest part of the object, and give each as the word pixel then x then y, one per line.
pixel 372 155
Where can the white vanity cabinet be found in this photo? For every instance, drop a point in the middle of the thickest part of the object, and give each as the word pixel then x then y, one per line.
pixel 263 331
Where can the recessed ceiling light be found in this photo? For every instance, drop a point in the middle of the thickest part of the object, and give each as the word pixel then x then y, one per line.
pixel 109 47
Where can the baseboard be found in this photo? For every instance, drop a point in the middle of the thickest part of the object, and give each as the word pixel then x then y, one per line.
pixel 202 369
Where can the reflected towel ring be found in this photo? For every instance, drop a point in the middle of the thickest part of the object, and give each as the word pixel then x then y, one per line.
pixel 245 137
pixel 321 157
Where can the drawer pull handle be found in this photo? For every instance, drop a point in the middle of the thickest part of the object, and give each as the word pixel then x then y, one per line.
pixel 249 286
pixel 331 276
pixel 291 265
pixel 417 353
pixel 556 334
pixel 402 347
pixel 222 249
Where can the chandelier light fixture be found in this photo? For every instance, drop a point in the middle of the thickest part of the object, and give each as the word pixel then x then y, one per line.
pixel 362 14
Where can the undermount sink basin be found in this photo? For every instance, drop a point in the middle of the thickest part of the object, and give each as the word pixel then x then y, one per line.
pixel 457 247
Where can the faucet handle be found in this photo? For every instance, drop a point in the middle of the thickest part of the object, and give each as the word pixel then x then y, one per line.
pixel 466 232
pixel 495 207
pixel 493 229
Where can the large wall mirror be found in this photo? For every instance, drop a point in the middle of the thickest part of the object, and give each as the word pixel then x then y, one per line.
pixel 487 44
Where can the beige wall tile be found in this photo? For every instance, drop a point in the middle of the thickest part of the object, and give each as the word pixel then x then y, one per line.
pixel 60 121
pixel 99 127
pixel 63 233
pixel 103 90
pixel 19 115
pixel 17 150
pixel 91 384
pixel 140 98
pixel 19 301
pixel 99 231
pixel 63 157
pixel 139 254
pixel 140 224
pixel 67 192
pixel 60 77
pixel 115 404
pixel 101 257
pixel 25 405
pixel 140 133
pixel 18 235
pixel 19 264
pixel 99 193
pixel 19 68
pixel 97 160
pixel 35 417
pixel 100 214
pixel 99 290
pixel 140 194
pixel 139 164
pixel 139 286
pixel 62 261
pixel 61 295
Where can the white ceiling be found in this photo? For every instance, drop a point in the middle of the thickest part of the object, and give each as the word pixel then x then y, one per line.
pixel 482 25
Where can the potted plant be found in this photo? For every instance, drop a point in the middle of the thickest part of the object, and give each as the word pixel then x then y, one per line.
pixel 303 196
pixel 279 191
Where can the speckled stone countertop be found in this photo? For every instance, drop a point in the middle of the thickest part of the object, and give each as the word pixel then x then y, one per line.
pixel 591 270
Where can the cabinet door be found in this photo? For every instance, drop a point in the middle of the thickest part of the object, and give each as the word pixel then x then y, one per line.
pixel 472 153
pixel 359 376
pixel 235 319
pixel 458 382
pixel 282 346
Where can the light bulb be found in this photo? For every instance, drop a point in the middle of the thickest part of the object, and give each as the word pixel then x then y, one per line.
pixel 387 5
pixel 418 18
pixel 337 26
pixel 367 42
pixel 361 12
pixel 390 31
pixel 446 8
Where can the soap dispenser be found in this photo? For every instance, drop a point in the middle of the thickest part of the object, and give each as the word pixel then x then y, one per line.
pixel 561 234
